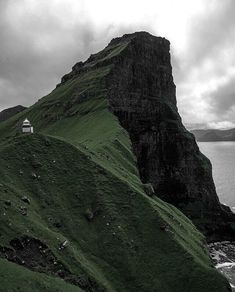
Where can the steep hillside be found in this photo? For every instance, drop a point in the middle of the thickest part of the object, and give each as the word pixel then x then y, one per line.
pixel 213 135
pixel 74 212
pixel 8 113
pixel 118 239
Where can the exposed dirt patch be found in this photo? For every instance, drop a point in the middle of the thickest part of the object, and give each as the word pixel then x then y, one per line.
pixel 36 256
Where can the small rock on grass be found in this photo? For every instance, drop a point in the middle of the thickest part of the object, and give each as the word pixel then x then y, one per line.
pixel 25 199
pixel 33 175
pixel 23 210
pixel 63 245
pixel 7 203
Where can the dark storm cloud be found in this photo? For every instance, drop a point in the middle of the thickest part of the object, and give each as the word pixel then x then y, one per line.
pixel 38 47
pixel 209 62
pixel 35 53
pixel 223 99
pixel 211 34
pixel 40 43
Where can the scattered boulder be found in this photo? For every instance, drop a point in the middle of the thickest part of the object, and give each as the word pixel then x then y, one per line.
pixel 149 190
pixel 7 203
pixel 47 142
pixel 23 210
pixel 36 164
pixel 163 227
pixel 25 199
pixel 57 224
pixel 33 175
pixel 63 245
pixel 89 215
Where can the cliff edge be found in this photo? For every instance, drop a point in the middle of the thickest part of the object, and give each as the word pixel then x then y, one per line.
pixel 142 94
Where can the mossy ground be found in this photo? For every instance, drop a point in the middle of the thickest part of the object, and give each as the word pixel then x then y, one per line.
pixel 83 162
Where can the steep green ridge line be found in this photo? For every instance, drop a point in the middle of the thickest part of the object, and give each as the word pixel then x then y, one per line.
pixel 126 223
pixel 75 182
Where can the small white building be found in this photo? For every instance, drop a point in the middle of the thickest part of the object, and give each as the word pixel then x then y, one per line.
pixel 27 127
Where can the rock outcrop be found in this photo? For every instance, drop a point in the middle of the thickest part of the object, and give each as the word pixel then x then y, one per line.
pixel 142 94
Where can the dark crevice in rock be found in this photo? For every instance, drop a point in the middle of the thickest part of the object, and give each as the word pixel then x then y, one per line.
pixel 36 256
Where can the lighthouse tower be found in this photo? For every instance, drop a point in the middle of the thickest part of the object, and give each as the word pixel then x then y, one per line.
pixel 27 127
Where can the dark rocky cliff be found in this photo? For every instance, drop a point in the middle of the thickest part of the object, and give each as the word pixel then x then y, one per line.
pixel 141 93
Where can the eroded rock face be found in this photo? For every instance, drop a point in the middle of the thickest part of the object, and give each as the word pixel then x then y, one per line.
pixel 36 256
pixel 142 95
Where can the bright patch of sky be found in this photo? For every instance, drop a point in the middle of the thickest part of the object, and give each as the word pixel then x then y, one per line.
pixel 42 40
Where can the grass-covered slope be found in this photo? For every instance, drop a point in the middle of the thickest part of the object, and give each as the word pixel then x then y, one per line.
pixel 114 231
pixel 72 205
pixel 10 112
pixel 16 278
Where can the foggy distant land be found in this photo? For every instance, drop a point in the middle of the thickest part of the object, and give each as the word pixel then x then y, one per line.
pixel 213 135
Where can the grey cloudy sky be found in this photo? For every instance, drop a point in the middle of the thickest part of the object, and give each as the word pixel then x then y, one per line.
pixel 41 40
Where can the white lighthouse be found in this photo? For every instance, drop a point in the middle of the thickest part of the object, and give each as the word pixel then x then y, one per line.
pixel 27 127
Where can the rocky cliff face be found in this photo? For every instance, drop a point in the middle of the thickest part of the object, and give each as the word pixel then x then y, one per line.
pixel 141 93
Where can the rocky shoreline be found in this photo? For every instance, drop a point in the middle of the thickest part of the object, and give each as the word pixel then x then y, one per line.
pixel 223 256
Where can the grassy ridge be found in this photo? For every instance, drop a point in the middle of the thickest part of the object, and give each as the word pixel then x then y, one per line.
pixel 80 175
pixel 123 247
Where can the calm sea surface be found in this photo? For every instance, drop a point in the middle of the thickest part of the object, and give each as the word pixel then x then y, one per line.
pixel 222 157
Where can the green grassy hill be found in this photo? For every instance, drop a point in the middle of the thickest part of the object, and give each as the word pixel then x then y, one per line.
pixel 74 213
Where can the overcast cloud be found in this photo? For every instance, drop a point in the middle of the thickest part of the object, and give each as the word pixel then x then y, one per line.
pixel 41 40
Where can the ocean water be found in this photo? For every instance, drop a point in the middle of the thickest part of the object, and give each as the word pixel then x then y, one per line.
pixel 222 157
